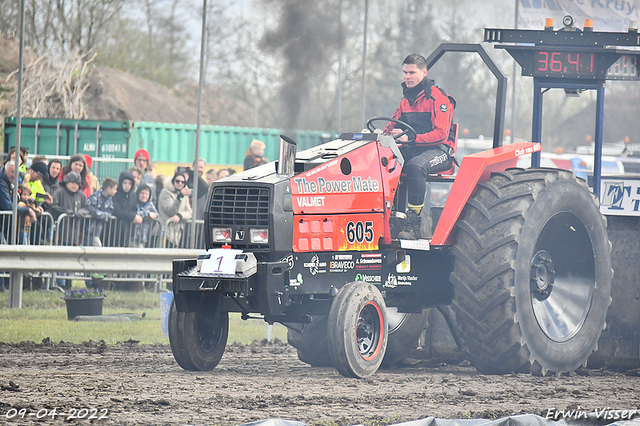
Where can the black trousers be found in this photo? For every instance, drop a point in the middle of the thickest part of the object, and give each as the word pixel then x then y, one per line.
pixel 419 163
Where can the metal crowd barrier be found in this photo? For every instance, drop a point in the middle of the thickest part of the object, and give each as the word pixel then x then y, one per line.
pixel 80 231
pixel 40 233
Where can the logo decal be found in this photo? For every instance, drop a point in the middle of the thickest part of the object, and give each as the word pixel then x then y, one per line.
pixel 443 108
pixel 239 235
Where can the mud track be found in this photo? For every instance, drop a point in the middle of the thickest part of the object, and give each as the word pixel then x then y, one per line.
pixel 142 384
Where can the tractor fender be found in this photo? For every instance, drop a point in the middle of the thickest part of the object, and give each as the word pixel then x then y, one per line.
pixel 475 168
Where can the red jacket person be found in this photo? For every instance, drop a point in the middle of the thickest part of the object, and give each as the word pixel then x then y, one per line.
pixel 429 110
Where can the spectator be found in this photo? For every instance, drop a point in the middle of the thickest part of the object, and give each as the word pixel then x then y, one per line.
pixel 37 172
pixel 202 165
pixel 93 180
pixel 40 159
pixel 7 174
pixel 253 156
pixel 125 207
pixel 50 182
pixel 100 205
pixel 149 214
pixel 137 175
pixel 211 176
pixel 25 222
pixel 142 159
pixel 11 156
pixel 159 185
pixel 223 173
pixel 174 208
pixel 77 164
pixel 69 199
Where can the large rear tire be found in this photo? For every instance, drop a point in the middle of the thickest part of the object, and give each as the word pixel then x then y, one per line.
pixel 198 339
pixel 357 330
pixel 404 332
pixel 312 342
pixel 532 272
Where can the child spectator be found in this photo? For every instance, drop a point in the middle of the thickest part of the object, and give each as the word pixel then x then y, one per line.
pixel 211 176
pixel 125 207
pixel 100 205
pixel 69 200
pixel 138 173
pixel 149 214
pixel 253 156
pixel 78 164
pixel 25 222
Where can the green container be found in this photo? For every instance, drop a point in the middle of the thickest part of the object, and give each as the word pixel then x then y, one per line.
pixel 166 142
pixel 218 145
pixel 107 139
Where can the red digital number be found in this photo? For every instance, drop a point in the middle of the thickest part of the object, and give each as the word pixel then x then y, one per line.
pixel 576 62
pixel 556 65
pixel 544 61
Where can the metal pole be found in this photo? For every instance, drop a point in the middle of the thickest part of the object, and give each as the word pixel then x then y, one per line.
pixel 597 155
pixel 536 122
pixel 194 194
pixel 513 88
pixel 364 64
pixel 340 71
pixel 15 282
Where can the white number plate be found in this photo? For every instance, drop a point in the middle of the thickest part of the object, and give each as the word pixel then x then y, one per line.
pixel 220 262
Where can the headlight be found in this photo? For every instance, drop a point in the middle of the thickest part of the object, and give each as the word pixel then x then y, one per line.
pixel 259 236
pixel 221 235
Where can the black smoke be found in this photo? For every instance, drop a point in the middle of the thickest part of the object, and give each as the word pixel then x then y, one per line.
pixel 308 36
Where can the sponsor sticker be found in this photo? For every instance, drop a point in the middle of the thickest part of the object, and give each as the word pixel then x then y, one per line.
pixel 404 267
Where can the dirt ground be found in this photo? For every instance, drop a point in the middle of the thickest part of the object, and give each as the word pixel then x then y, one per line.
pixel 142 384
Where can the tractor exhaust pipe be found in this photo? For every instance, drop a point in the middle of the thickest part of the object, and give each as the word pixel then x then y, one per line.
pixel 287 157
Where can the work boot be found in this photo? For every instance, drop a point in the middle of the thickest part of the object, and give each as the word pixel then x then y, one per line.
pixel 417 226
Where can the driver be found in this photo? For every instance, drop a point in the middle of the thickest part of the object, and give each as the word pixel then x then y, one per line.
pixel 429 110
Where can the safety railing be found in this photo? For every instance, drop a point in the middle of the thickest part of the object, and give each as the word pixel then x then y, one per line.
pixel 38 233
pixel 82 231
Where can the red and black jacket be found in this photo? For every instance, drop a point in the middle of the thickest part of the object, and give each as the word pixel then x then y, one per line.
pixel 431 116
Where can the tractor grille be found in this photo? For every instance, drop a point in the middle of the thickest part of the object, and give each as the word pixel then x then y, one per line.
pixel 240 208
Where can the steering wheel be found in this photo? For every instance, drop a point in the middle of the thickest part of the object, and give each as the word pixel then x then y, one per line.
pixel 408 130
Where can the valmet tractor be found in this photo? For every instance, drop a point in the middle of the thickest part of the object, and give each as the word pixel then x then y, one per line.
pixel 310 241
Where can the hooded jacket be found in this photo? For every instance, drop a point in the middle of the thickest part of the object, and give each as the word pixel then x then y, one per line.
pixel 65 201
pixel 125 204
pixel 172 202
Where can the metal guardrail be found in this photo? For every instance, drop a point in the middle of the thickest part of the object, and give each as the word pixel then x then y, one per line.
pixel 19 259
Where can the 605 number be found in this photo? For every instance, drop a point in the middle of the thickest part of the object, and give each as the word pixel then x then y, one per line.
pixel 360 232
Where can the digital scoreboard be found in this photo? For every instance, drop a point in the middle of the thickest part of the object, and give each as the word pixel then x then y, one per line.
pixel 571 55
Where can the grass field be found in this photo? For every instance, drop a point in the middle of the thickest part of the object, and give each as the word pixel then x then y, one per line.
pixel 43 314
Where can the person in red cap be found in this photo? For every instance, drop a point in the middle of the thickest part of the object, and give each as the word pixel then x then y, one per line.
pixel 94 183
pixel 142 159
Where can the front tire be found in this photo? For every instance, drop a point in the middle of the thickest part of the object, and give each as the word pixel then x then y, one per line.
pixel 357 330
pixel 198 339
pixel 532 272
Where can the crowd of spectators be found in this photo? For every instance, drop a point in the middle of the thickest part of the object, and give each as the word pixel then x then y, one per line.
pixel 141 202
pixel 138 197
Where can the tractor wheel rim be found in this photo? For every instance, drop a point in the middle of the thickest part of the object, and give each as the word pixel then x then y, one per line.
pixel 369 331
pixel 562 277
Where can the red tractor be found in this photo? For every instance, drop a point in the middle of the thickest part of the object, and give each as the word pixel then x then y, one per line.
pixel 310 241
